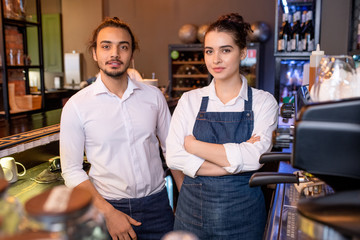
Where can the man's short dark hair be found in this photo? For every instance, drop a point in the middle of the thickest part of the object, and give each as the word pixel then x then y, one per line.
pixel 112 22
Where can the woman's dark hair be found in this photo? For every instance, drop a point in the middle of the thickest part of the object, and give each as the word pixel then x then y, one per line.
pixel 232 23
pixel 113 22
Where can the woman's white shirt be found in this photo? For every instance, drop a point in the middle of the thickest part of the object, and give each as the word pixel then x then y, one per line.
pixel 242 157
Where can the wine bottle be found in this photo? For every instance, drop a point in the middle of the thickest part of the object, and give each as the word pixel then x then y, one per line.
pixel 296 32
pixel 301 36
pixel 11 58
pixel 308 33
pixel 289 33
pixel 284 34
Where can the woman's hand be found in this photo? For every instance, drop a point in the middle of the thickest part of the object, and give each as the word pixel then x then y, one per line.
pixel 254 139
pixel 189 143
pixel 119 225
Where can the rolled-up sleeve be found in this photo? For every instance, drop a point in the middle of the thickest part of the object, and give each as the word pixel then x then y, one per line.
pixel 72 141
pixel 245 156
pixel 182 121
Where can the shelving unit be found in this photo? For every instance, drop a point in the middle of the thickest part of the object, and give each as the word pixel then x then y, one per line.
pixel 22 74
pixel 289 65
pixel 314 5
pixel 187 68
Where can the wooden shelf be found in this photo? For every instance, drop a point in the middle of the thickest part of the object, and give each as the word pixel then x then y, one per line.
pixel 24 34
pixel 190 76
pixel 22 66
pixel 188 62
pixel 183 88
pixel 20 23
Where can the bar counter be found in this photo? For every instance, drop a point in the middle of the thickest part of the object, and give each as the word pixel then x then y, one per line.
pixel 26 187
pixel 32 140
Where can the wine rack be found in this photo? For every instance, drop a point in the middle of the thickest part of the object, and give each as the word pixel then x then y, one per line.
pixel 290 7
pixel 187 69
pixel 289 64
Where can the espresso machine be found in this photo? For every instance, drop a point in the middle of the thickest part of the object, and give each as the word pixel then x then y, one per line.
pixel 321 194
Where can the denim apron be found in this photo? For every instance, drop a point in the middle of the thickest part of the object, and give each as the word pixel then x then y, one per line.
pixel 222 207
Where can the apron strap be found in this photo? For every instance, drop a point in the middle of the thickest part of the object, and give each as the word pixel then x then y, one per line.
pixel 204 103
pixel 248 103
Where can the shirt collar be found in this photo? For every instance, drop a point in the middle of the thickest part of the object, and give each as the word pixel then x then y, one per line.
pixel 243 93
pixel 100 87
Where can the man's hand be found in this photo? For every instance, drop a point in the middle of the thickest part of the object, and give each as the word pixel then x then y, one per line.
pixel 117 222
pixel 119 225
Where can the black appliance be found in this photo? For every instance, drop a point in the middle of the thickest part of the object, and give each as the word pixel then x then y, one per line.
pixel 326 147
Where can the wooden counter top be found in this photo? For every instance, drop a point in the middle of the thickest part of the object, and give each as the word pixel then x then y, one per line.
pixel 26 188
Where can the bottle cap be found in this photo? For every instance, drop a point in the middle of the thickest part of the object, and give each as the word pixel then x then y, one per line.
pixel 317 52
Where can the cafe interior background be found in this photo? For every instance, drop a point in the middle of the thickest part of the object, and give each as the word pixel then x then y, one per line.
pixel 68 24
pixel 156 24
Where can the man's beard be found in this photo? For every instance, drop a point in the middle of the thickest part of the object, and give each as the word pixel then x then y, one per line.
pixel 115 74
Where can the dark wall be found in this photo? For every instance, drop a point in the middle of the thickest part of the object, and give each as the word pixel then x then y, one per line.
pixel 335 24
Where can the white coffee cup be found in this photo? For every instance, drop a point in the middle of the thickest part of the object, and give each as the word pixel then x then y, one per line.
pixel 2 175
pixel 9 167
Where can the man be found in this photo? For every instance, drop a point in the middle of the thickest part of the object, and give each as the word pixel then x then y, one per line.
pixel 118 122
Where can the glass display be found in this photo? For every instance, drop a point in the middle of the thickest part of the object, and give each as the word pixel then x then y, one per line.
pixel 336 79
pixel 296 26
pixel 187 70
pixel 68 212
pixel 291 79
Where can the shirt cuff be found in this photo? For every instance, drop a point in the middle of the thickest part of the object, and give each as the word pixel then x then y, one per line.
pixel 234 157
pixel 71 181
pixel 192 166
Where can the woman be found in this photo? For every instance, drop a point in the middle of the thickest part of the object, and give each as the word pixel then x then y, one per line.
pixel 217 134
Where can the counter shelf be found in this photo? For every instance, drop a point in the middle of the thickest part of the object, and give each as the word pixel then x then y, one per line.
pixel 27 140
pixel 25 187
pixel 284 220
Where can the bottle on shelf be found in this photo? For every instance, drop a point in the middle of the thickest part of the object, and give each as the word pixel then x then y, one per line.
pixel 19 58
pixel 11 58
pixel 288 44
pixel 302 27
pixel 284 34
pixel 182 57
pixel 315 58
pixel 308 33
pixel 8 9
pixel 296 32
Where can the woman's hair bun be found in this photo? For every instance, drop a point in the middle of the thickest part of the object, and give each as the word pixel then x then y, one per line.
pixel 235 24
pixel 232 17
